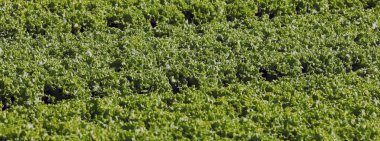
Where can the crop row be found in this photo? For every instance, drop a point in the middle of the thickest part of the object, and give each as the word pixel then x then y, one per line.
pixel 172 58
pixel 154 70
pixel 54 17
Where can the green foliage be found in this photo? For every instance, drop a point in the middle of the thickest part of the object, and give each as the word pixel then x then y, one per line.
pixel 189 70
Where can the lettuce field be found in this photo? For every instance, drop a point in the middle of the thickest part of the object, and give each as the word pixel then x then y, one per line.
pixel 190 70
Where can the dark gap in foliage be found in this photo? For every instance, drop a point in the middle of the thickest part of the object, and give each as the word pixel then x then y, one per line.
pixel 53 94
pixel 238 25
pixel 362 74
pixel 305 88
pixel 112 23
pixel 114 3
pixel 28 28
pixel 175 87
pixel 161 33
pixel 314 105
pixel 357 38
pixel 272 15
pixel 266 97
pixel 160 62
pixel 305 68
pixel 357 111
pixel 117 65
pixel 370 5
pixel 5 107
pixel 268 77
pixel 242 77
pixel 317 7
pixel 169 101
pixel 51 91
pixel 193 82
pixel 153 23
pixel 94 109
pixel 228 77
pixel 46 100
pixel 20 70
pixel 244 73
pixel 259 13
pixel 281 49
pixel 230 135
pixel 73 31
pixel 294 133
pixel 189 16
pixel 230 18
pixel 298 9
pixel 7 33
pixel 128 126
pixel 225 134
pixel 189 136
pixel 34 31
pixel 138 88
pixel 220 38
pixel 285 105
pixel 216 93
pixel 76 30
pixel 244 112
pixel 214 126
pixel 69 53
pixel 356 66
pixel 52 7
pixel 92 115
pixel 95 93
pixel 91 6
pixel 288 135
pixel 200 31
pixel 349 5
pixel 147 125
pixel 255 138
pixel 310 122
pixel 226 83
pixel 6 104
pixel 81 29
pixel 13 99
pixel 179 81
pixel 315 97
